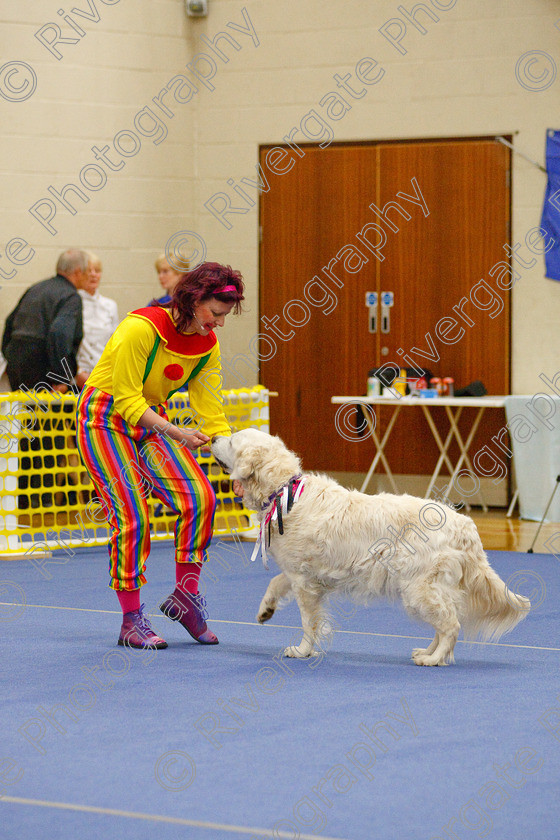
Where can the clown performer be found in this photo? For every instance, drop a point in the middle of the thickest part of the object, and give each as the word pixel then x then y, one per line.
pixel 130 449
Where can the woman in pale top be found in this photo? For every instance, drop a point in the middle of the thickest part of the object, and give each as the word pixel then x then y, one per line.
pixel 100 320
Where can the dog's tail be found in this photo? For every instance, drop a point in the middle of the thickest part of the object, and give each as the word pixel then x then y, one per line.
pixel 491 608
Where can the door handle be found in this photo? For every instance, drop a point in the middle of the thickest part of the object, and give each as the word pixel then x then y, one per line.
pixel 387 300
pixel 371 303
pixel 385 320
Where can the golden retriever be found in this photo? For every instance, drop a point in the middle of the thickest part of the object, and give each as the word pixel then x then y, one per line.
pixel 331 540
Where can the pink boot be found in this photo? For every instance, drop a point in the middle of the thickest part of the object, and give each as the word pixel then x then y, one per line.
pixel 190 611
pixel 136 632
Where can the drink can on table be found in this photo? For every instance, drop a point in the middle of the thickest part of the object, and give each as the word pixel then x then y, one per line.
pixel 437 385
pixel 373 386
pixel 448 386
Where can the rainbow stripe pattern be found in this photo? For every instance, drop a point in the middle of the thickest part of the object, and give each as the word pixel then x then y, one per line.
pixel 128 463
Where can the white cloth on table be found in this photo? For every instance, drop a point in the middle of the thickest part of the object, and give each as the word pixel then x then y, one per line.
pixel 100 321
pixel 536 455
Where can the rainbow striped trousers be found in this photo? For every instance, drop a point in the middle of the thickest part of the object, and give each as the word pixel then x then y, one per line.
pixel 129 463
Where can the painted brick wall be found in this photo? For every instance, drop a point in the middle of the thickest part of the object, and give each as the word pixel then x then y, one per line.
pixel 463 75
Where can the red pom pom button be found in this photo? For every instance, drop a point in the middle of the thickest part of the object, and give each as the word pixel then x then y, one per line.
pixel 173 372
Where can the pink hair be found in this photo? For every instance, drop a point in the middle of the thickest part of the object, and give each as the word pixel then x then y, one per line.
pixel 207 280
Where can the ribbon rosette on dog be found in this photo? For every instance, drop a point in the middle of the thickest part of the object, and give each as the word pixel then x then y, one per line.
pixel 278 505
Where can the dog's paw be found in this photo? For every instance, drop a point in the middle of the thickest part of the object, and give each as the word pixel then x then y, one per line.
pixel 265 613
pixel 420 657
pixel 300 652
pixel 267 608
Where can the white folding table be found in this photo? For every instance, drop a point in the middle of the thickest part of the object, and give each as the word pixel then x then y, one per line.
pixel 453 408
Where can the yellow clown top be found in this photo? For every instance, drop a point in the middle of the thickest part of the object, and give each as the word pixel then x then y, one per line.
pixel 146 360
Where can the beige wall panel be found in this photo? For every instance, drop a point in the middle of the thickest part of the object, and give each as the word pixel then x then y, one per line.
pixel 457 79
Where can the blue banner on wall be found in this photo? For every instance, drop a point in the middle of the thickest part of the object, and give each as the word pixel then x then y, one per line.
pixel 551 209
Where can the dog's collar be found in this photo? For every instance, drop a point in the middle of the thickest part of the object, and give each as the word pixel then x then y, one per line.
pixel 279 504
pixel 289 486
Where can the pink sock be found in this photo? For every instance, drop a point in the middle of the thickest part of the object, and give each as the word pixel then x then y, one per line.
pixel 129 599
pixel 187 575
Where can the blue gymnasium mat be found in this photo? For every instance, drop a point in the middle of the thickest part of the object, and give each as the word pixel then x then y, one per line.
pixel 234 741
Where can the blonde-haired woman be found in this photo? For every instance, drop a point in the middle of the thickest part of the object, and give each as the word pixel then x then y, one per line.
pixel 168 276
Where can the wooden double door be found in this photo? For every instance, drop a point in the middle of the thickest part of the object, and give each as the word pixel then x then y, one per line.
pixel 422 220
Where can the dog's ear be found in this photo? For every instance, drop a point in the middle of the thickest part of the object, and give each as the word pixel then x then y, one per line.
pixel 245 463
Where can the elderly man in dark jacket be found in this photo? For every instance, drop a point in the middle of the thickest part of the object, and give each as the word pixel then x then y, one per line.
pixel 40 343
pixel 43 333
